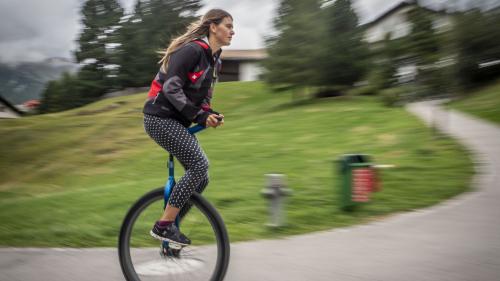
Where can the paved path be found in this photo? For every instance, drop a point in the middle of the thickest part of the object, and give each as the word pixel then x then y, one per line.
pixel 457 240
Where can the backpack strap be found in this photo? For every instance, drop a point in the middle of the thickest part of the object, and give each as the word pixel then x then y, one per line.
pixel 201 43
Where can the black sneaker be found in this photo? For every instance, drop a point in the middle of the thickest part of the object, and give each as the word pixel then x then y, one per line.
pixel 170 233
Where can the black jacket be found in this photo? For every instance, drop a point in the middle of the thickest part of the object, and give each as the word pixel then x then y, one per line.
pixel 185 91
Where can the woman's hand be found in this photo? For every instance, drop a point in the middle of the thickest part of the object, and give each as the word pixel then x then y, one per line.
pixel 215 120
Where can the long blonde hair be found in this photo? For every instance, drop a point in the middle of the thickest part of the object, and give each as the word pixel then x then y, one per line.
pixel 197 29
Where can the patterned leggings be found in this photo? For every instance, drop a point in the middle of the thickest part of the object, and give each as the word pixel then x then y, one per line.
pixel 174 138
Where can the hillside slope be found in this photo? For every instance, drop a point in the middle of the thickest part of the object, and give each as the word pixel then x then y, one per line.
pixel 483 103
pixel 74 174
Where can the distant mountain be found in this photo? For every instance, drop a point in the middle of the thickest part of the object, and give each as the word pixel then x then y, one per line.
pixel 26 81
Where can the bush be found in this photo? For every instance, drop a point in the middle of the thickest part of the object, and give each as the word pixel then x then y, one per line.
pixel 392 96
pixel 330 91
pixel 366 90
pixel 476 37
pixel 377 80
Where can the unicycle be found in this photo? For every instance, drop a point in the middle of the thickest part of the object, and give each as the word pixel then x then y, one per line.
pixel 143 258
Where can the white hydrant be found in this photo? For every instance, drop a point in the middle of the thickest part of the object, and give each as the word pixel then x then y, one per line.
pixel 275 191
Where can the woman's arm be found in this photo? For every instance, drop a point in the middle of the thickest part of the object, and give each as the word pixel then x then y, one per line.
pixel 206 104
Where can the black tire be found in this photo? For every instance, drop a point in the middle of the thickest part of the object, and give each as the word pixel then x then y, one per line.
pixel 205 214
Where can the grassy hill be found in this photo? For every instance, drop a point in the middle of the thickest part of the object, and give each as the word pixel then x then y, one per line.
pixel 72 176
pixel 484 103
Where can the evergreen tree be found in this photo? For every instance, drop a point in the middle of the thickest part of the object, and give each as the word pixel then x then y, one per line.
pixel 96 52
pixel 130 51
pixel 422 42
pixel 63 94
pixel 344 56
pixel 423 47
pixel 382 75
pixel 477 39
pixel 150 29
pixel 50 96
pixel 71 95
pixel 98 40
pixel 293 51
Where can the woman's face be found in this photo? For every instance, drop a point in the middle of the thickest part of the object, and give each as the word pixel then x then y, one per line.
pixel 223 31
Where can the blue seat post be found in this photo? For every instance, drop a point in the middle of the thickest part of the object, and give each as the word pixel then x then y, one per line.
pixel 170 166
pixel 169 186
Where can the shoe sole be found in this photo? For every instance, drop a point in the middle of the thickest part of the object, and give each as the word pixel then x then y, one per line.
pixel 174 244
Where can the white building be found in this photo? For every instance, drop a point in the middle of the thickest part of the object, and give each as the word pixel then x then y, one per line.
pixel 395 23
pixel 241 65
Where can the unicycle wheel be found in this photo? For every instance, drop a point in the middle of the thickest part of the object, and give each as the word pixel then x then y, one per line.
pixel 206 258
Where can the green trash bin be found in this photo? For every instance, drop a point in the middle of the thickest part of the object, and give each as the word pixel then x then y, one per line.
pixel 357 180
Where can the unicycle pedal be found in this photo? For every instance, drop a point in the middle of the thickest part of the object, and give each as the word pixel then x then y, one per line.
pixel 174 245
pixel 169 252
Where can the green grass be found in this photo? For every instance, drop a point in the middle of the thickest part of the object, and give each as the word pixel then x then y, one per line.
pixel 484 103
pixel 72 176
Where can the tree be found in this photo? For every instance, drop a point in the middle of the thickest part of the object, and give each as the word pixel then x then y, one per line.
pixel 96 45
pixel 117 51
pixel 344 54
pixel 293 51
pixel 61 94
pixel 423 47
pixel 478 47
pixel 100 19
pixel 150 29
pixel 422 42
pixel 131 51
pixel 382 75
pixel 50 96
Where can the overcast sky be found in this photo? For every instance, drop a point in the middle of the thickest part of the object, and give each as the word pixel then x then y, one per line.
pixel 32 30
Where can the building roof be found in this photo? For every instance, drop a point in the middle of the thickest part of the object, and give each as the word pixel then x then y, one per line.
pixel 245 55
pixel 9 105
pixel 399 6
